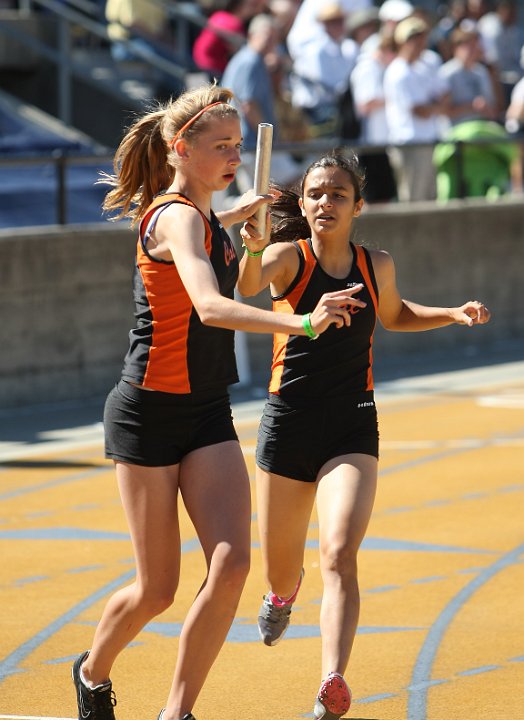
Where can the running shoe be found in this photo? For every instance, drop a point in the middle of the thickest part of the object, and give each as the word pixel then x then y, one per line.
pixel 333 699
pixel 187 716
pixel 93 703
pixel 274 615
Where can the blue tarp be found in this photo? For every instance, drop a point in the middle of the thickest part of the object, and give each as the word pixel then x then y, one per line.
pixel 29 193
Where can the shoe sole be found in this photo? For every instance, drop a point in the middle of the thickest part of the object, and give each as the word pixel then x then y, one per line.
pixel 75 671
pixel 268 641
pixel 335 696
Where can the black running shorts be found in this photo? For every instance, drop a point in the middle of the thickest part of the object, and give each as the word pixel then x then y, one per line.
pixel 156 429
pixel 296 438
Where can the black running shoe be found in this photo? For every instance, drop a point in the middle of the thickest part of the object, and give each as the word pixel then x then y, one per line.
pixel 93 703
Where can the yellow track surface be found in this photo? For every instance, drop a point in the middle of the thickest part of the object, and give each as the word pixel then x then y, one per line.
pixel 441 633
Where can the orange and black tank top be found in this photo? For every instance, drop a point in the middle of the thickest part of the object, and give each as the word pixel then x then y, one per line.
pixel 340 361
pixel 169 348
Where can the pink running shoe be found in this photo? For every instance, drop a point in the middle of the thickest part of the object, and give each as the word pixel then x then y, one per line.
pixel 274 615
pixel 333 699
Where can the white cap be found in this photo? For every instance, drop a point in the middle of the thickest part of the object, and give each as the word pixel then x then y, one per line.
pixel 395 10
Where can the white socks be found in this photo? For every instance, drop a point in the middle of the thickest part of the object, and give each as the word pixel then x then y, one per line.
pixel 88 683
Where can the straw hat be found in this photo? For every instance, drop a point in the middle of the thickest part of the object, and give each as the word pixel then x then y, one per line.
pixel 408 28
pixel 331 11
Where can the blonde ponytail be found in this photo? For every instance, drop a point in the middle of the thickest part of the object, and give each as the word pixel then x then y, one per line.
pixel 144 163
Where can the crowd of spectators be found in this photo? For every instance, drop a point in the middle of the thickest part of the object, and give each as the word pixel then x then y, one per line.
pixel 390 78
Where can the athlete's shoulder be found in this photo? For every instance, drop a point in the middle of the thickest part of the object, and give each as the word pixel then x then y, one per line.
pixel 380 258
pixel 181 223
pixel 283 249
pixel 183 213
pixel 383 267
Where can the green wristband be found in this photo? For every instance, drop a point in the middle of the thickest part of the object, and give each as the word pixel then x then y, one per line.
pixel 306 324
pixel 253 254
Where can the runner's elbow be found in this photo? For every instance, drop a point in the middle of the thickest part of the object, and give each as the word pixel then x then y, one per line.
pixel 210 312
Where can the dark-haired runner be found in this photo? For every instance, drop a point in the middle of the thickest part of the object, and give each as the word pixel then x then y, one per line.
pixel 318 437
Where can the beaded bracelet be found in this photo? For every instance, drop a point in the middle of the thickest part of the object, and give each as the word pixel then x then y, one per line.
pixel 253 254
pixel 306 324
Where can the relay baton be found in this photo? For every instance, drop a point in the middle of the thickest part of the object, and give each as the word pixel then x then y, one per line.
pixel 262 169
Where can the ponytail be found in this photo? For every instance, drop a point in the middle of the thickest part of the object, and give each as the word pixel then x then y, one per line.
pixel 287 221
pixel 141 168
pixel 145 161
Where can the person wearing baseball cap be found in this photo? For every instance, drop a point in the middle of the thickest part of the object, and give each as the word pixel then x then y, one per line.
pixel 390 13
pixel 394 11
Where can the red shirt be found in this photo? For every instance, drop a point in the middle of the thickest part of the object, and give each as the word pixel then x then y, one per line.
pixel 211 51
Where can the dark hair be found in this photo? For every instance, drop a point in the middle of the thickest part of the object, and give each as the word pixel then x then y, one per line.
pixel 288 223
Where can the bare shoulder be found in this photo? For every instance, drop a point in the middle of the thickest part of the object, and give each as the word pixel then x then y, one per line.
pixel 283 261
pixel 383 266
pixel 380 258
pixel 282 250
pixel 181 211
pixel 285 255
pixel 179 220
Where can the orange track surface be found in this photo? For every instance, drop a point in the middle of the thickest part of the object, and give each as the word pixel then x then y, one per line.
pixel 442 575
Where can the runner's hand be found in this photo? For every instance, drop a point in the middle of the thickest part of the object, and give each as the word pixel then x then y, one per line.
pixel 335 309
pixel 471 313
pixel 250 235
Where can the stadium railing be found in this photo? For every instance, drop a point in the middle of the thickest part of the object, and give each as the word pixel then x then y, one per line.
pixel 62 160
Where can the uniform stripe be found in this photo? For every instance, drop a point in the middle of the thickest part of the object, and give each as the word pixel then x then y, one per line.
pixel 167 370
pixel 169 346
pixel 287 305
pixel 362 262
pixel 342 359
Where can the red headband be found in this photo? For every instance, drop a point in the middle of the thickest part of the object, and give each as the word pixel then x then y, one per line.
pixel 192 120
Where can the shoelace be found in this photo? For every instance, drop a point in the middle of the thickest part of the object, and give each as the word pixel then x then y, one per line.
pixel 103 704
pixel 274 613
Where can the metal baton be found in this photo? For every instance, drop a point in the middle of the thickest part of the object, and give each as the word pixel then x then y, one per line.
pixel 262 169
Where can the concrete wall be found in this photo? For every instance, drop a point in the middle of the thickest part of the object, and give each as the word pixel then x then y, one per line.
pixel 66 293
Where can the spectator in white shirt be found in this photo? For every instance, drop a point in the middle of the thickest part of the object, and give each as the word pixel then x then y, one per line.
pixel 414 100
pixel 515 126
pixel 367 82
pixel 320 74
pixel 308 29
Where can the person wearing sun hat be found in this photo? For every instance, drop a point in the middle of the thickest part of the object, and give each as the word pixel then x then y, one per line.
pixel 307 28
pixel 390 13
pixel 320 73
pixel 361 24
pixel 414 99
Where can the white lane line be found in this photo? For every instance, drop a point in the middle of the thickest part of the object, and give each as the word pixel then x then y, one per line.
pixel 508 401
